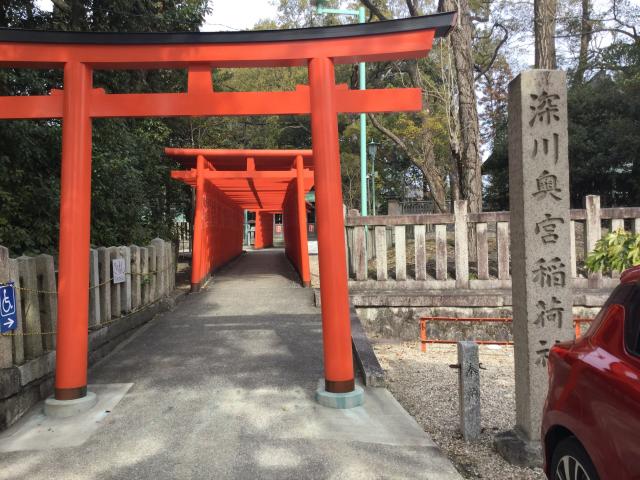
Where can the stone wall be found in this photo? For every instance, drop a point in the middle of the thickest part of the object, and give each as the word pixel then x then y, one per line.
pixel 396 314
pixel 27 355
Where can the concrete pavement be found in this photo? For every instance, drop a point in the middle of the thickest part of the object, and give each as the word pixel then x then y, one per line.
pixel 223 389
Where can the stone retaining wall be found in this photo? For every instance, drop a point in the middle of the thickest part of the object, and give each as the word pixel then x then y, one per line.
pixel 395 315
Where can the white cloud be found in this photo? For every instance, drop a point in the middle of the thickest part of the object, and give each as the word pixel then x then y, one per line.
pixel 237 14
pixel 46 5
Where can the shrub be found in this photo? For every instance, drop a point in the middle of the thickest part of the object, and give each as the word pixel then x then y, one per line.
pixel 615 252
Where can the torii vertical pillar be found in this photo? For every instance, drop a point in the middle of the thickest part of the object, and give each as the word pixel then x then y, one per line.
pixel 263 230
pixel 72 347
pixel 339 386
pixel 198 229
pixel 305 272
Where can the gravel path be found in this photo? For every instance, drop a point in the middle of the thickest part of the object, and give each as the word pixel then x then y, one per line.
pixel 427 388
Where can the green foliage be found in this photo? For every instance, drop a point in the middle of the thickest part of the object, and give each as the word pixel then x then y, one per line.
pixel 604 121
pixel 133 197
pixel 615 252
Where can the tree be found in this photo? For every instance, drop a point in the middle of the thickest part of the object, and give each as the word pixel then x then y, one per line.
pixel 544 28
pixel 133 197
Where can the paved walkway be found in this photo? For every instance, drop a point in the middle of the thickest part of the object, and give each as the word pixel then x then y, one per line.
pixel 223 388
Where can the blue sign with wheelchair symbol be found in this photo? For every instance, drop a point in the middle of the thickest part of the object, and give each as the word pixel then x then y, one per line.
pixel 8 316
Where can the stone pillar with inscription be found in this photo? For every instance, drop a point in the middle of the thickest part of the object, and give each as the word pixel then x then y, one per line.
pixel 540 247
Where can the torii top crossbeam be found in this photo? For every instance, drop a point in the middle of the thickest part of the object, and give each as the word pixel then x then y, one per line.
pixel 256 180
pixel 319 49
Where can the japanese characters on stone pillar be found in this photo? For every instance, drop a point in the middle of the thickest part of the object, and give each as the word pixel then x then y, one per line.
pixel 540 236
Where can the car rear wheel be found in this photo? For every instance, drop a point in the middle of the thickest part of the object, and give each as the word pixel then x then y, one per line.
pixel 571 462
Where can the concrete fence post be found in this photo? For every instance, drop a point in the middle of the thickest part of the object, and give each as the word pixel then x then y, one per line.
pixel 593 233
pixel 504 254
pixel 136 279
pixel 11 348
pixel 616 224
pixel 462 243
pixel 360 253
pixel 144 278
pixel 18 339
pixel 482 254
pixel 441 252
pixel 420 245
pixel 152 273
pixel 104 276
pixel 572 247
pixel 401 252
pixel 48 299
pixel 116 295
pixel 94 290
pixel 30 308
pixel 381 249
pixel 168 261
pixel 125 287
pixel 160 266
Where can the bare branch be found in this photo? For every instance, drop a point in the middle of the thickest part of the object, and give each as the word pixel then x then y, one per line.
pixel 375 10
pixel 495 52
pixel 394 138
pixel 62 5
pixel 413 11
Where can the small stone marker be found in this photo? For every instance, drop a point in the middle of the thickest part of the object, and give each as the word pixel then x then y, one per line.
pixel 540 247
pixel 469 390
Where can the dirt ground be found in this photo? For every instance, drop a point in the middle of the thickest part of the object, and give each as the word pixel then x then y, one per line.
pixel 427 388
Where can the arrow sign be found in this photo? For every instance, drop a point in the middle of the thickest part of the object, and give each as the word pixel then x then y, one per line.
pixel 8 318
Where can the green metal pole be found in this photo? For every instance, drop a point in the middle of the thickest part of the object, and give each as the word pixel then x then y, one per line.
pixel 362 74
pixel 373 186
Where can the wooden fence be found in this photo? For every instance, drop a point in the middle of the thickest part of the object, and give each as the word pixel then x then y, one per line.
pixel 440 259
pixel 149 275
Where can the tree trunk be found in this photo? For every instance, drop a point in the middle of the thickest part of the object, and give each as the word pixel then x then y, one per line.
pixel 544 28
pixel 585 38
pixel 432 175
pixel 461 43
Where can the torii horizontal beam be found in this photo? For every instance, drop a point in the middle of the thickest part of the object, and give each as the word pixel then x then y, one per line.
pixel 103 105
pixel 190 175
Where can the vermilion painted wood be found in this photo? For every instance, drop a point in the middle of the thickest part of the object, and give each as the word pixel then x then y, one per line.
pixel 372 48
pixel 336 327
pixel 75 221
pixel 243 185
pixel 198 226
pixel 303 254
pixel 201 104
pixel 263 230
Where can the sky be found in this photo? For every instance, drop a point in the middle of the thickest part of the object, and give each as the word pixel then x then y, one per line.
pixel 226 15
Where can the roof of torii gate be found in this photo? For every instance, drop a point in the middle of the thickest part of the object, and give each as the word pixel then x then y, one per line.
pixel 254 179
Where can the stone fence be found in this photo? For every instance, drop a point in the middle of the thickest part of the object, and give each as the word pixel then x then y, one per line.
pixel 27 354
pixel 432 251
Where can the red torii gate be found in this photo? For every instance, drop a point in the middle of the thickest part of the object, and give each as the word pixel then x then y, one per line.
pixel 263 181
pixel 80 54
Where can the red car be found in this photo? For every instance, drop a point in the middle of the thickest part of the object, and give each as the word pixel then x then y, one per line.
pixel 591 420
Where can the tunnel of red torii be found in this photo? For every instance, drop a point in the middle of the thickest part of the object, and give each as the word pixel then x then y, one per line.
pixel 228 182
pixel 79 54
